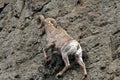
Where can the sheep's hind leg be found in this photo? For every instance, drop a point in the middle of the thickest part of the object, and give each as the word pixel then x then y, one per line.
pixel 82 64
pixel 67 65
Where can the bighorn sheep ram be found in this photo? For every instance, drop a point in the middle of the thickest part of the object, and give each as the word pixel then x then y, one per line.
pixel 63 42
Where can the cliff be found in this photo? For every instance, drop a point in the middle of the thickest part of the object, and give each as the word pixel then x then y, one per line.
pixel 94 23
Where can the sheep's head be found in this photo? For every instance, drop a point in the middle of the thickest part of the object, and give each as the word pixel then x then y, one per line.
pixel 48 21
pixel 51 22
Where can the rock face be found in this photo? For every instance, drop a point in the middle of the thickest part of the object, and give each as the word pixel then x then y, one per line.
pixel 94 23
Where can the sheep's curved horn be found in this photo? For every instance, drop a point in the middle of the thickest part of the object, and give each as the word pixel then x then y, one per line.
pixel 41 20
pixel 41 17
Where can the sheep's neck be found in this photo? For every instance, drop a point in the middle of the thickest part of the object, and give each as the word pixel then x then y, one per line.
pixel 49 28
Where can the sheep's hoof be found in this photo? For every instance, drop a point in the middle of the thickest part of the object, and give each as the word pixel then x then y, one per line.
pixel 47 59
pixel 84 76
pixel 58 75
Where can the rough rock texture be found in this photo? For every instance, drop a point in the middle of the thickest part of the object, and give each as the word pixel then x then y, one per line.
pixel 94 23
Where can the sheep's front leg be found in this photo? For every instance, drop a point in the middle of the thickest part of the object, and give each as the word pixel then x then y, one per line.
pixel 67 65
pixel 45 55
pixel 44 52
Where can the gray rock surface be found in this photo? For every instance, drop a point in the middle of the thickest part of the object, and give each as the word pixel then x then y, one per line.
pixel 94 23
